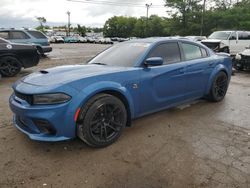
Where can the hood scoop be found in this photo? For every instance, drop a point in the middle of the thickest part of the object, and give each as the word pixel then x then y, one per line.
pixel 43 71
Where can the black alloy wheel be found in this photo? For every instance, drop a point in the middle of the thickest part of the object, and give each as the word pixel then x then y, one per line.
pixel 219 87
pixel 9 66
pixel 101 120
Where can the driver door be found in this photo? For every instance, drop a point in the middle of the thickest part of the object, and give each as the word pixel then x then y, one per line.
pixel 165 85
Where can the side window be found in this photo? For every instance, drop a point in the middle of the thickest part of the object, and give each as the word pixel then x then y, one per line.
pixel 233 36
pixel 244 36
pixel 37 34
pixel 19 35
pixel 204 52
pixel 170 52
pixel 4 34
pixel 191 51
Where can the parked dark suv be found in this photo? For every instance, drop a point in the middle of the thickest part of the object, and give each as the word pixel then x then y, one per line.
pixel 27 36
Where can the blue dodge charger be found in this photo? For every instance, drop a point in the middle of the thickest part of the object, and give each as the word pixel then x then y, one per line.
pixel 128 80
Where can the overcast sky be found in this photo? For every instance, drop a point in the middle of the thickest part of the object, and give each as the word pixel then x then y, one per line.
pixel 22 13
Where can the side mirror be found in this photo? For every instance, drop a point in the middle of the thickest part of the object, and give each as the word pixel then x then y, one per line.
pixel 154 61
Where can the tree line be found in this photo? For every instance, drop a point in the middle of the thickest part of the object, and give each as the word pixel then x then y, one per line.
pixel 186 18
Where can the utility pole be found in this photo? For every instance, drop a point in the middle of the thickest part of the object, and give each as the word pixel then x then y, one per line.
pixel 147 6
pixel 202 17
pixel 68 22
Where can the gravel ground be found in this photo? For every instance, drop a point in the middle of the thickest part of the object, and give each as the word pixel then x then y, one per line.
pixel 195 145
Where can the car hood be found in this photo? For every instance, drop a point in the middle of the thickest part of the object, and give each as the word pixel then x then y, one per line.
pixel 65 74
pixel 211 41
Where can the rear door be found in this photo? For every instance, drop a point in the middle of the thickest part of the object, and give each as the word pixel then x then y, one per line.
pixel 199 66
pixel 165 85
pixel 19 37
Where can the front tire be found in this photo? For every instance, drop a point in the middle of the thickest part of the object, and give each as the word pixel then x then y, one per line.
pixel 219 87
pixel 101 120
pixel 9 66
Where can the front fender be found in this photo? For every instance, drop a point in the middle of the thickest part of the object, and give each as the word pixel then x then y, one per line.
pixel 216 70
pixel 103 86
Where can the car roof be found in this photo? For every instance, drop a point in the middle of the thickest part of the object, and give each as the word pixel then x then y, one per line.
pixel 13 29
pixel 232 31
pixel 160 39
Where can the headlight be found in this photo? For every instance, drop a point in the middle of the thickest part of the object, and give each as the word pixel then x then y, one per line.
pixel 53 98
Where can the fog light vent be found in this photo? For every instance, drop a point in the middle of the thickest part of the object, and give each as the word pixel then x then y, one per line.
pixel 44 126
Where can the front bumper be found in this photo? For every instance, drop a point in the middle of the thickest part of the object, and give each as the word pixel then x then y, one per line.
pixel 43 123
pixel 46 49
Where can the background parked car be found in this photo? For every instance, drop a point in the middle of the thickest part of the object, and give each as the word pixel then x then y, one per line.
pixel 196 38
pixel 71 39
pixel 56 39
pixel 15 56
pixel 90 40
pixel 232 42
pixel 82 39
pixel 27 36
pixel 242 60
pixel 108 41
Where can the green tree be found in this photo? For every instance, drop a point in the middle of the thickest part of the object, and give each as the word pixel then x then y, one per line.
pixel 119 26
pixel 184 12
pixel 81 30
pixel 41 20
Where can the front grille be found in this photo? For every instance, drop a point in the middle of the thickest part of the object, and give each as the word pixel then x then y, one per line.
pixel 25 97
pixel 212 45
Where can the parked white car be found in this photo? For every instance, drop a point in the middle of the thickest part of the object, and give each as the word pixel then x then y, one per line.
pixel 82 39
pixel 232 42
pixel 196 38
pixel 56 39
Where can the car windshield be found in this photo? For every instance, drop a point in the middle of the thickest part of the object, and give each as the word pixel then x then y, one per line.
pixel 222 35
pixel 123 54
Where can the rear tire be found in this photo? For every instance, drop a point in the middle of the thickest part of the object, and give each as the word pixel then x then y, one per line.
pixel 9 66
pixel 101 120
pixel 219 87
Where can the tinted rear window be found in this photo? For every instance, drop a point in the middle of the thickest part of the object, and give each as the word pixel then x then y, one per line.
pixel 37 34
pixel 191 51
pixel 18 35
pixel 4 34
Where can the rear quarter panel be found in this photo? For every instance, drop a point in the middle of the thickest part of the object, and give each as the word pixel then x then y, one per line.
pixel 223 62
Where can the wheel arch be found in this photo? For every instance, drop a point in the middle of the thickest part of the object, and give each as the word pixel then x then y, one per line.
pixel 12 55
pixel 114 89
pixel 217 69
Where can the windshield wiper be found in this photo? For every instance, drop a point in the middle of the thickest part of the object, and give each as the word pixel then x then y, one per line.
pixel 99 63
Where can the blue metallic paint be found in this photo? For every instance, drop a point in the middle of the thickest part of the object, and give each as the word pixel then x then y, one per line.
pixel 146 89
